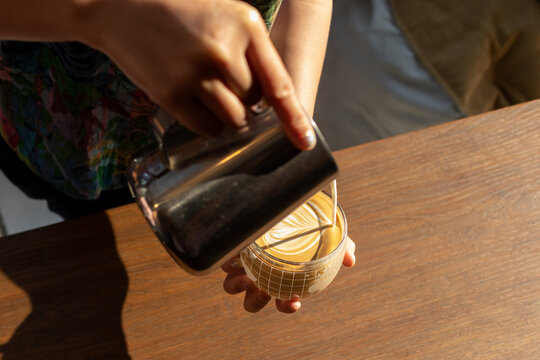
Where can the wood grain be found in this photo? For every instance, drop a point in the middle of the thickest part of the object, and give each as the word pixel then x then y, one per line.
pixel 447 226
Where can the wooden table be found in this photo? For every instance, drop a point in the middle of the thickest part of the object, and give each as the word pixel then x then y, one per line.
pixel 447 226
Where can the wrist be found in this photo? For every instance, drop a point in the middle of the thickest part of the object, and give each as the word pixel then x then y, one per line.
pixel 89 19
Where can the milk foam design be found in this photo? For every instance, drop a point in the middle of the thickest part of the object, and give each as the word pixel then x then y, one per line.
pixel 302 254
pixel 298 233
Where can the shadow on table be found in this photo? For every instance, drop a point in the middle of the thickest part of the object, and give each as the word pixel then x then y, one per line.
pixel 77 285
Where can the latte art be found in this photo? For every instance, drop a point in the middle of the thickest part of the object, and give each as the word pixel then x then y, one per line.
pixel 281 261
pixel 306 234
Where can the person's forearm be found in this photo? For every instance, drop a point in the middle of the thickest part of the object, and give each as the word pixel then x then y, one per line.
pixel 51 20
pixel 300 34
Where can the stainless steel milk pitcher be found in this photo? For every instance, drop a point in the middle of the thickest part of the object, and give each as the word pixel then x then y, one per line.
pixel 208 198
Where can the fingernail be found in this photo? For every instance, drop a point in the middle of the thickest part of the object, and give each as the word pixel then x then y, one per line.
pixel 296 305
pixel 241 123
pixel 310 139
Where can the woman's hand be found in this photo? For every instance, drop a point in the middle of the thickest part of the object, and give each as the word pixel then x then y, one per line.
pixel 255 299
pixel 203 61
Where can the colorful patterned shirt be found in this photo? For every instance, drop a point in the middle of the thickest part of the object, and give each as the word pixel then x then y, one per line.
pixel 71 114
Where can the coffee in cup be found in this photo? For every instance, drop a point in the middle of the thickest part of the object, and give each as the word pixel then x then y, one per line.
pixel 300 255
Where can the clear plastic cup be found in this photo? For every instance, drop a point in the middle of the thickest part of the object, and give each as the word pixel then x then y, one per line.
pixel 285 279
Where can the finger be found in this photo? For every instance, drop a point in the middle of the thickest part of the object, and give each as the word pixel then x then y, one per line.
pixel 278 88
pixel 255 299
pixel 239 78
pixel 349 259
pixel 232 265
pixel 195 116
pixel 222 102
pixel 234 284
pixel 288 306
pixel 254 95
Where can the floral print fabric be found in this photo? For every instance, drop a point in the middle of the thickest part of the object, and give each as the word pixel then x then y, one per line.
pixel 72 116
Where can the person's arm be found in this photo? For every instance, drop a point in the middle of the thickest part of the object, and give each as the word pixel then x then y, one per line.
pixel 300 34
pixel 31 20
pixel 199 60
